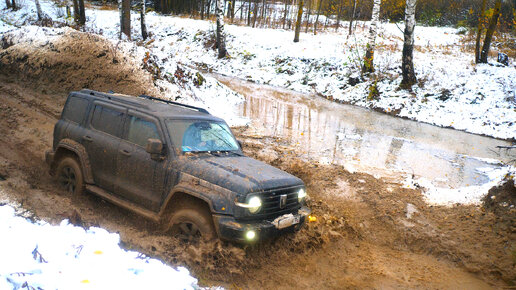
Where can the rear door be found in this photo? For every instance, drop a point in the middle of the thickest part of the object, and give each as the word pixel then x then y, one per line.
pixel 139 178
pixel 102 140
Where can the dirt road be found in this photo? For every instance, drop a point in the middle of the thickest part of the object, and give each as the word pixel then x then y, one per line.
pixel 369 233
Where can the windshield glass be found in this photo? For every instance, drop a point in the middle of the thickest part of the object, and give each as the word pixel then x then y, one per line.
pixel 201 136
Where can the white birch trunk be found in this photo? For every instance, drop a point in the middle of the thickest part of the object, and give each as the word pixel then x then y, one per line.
pixel 221 37
pixel 409 76
pixel 121 18
pixel 371 43
pixel 38 10
pixel 142 21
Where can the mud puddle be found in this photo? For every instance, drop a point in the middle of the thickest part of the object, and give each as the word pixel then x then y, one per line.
pixel 363 140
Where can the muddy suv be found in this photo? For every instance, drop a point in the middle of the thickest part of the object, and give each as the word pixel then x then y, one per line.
pixel 174 164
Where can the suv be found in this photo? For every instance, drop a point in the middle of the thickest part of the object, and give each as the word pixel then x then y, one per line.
pixel 172 163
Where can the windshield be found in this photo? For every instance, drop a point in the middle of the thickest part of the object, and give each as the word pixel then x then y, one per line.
pixel 201 136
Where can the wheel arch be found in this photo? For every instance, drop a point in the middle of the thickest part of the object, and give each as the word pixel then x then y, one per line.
pixel 67 147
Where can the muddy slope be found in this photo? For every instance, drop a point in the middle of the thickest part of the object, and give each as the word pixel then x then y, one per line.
pixel 369 232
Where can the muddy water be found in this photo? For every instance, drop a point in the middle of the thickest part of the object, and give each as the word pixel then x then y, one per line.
pixel 365 140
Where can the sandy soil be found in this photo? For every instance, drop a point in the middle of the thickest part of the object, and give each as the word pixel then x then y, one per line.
pixel 369 233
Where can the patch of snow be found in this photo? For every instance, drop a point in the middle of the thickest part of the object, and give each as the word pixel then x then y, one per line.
pixel 39 255
pixel 411 210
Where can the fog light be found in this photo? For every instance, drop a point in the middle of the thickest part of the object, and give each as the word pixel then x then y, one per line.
pixel 250 235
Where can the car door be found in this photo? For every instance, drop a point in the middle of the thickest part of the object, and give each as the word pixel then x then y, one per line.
pixel 101 141
pixel 140 179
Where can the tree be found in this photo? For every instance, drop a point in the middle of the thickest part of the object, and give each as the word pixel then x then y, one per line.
pixel 82 13
pixel 142 21
pixel 407 67
pixel 480 30
pixel 317 17
pixel 125 17
pixel 38 9
pixel 221 37
pixel 76 11
pixel 7 4
pixel 298 22
pixel 352 16
pixel 368 66
pixel 490 31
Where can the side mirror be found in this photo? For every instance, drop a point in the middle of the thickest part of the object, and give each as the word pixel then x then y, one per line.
pixel 240 144
pixel 154 148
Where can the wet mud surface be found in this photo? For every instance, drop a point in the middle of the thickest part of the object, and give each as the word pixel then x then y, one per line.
pixel 369 232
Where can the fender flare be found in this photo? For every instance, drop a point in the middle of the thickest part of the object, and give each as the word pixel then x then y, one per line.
pixel 81 153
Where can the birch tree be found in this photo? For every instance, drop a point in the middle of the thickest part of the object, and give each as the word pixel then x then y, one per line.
pixel 124 7
pixel 407 67
pixel 352 17
pixel 38 10
pixel 298 22
pixel 317 17
pixel 368 66
pixel 142 21
pixel 490 32
pixel 221 37
pixel 82 13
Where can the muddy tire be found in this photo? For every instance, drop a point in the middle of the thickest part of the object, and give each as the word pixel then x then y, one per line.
pixel 192 222
pixel 69 176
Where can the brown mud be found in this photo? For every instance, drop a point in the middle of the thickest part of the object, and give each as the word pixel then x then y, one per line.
pixel 369 232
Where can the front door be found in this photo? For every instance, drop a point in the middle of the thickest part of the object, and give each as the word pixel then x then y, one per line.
pixel 140 179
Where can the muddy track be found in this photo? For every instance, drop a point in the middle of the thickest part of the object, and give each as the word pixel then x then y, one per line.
pixel 369 233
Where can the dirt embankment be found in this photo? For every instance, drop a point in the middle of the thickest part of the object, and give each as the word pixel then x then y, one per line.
pixel 72 61
pixel 369 232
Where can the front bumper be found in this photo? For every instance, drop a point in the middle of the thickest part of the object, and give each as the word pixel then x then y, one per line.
pixel 230 229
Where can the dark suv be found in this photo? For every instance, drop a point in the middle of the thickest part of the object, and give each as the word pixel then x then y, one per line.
pixel 172 163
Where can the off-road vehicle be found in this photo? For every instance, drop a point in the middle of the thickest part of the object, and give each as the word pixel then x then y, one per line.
pixel 172 163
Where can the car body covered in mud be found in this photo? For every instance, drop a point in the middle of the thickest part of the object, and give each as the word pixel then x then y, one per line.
pixel 173 163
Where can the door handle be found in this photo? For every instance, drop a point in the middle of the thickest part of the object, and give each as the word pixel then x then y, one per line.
pixel 125 152
pixel 87 138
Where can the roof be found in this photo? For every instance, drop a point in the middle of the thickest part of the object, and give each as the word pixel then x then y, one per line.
pixel 152 105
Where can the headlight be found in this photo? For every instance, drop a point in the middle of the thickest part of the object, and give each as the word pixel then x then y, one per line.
pixel 253 204
pixel 301 194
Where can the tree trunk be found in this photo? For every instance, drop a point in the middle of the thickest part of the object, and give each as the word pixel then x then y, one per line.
pixel 76 12
pixel 249 13
pixel 38 10
pixel 142 21
pixel 308 13
pixel 317 17
pixel 339 15
pixel 490 31
pixel 255 13
pixel 298 22
pixel 221 37
pixel 233 3
pixel 7 4
pixel 124 7
pixel 202 9
pixel 407 67
pixel 368 66
pixel 13 4
pixel 480 30
pixel 82 11
pixel 352 17
pixel 284 13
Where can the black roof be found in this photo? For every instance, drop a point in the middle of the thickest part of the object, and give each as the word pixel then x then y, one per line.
pixel 152 105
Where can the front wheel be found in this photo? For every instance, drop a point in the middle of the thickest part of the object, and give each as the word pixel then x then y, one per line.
pixel 192 223
pixel 69 176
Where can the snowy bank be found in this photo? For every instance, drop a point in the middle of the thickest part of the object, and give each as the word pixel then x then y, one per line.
pixel 37 255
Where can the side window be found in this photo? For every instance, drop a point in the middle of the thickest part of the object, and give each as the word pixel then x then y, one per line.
pixel 75 109
pixel 140 130
pixel 107 120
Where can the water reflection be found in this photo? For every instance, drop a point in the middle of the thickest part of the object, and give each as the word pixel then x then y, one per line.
pixel 348 135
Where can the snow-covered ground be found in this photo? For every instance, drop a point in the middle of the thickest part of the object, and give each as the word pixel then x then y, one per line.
pixel 452 92
pixel 37 255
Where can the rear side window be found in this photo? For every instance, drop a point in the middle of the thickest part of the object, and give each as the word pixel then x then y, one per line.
pixel 107 120
pixel 140 130
pixel 75 109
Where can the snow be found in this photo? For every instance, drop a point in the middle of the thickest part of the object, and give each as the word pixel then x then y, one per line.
pixel 40 255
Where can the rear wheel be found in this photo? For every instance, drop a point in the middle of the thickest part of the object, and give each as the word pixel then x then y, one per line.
pixel 69 176
pixel 192 222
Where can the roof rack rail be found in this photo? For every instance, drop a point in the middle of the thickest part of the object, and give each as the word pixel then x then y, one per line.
pixel 175 103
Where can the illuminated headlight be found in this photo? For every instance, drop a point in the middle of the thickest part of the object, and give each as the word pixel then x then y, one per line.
pixel 250 235
pixel 301 194
pixel 253 205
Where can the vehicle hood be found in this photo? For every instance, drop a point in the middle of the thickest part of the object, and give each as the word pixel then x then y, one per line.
pixel 239 174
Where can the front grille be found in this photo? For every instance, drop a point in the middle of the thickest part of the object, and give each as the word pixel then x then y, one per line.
pixel 271 204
